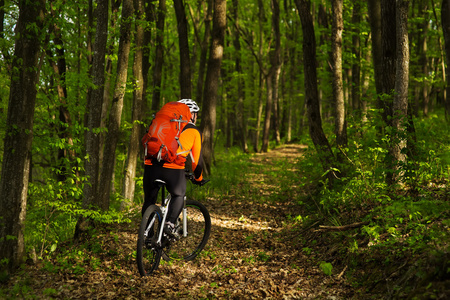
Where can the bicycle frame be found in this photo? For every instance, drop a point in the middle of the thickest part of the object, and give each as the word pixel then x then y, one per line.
pixel 164 209
pixel 152 246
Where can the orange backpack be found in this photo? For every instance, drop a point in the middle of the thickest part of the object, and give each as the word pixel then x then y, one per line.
pixel 161 140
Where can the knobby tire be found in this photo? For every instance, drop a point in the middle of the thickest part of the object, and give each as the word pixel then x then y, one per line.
pixel 199 230
pixel 148 255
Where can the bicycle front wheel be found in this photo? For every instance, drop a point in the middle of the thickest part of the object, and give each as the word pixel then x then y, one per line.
pixel 198 231
pixel 148 254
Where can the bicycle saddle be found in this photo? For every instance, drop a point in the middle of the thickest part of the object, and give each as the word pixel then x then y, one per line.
pixel 160 182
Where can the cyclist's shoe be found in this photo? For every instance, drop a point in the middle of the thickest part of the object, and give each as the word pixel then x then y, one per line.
pixel 171 231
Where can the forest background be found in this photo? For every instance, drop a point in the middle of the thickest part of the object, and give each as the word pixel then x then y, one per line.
pixel 362 83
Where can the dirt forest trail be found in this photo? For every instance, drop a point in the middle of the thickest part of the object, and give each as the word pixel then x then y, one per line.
pixel 250 255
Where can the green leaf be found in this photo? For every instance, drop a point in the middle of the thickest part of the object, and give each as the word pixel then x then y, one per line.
pixel 326 268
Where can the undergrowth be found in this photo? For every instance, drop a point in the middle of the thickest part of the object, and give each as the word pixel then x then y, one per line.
pixel 401 246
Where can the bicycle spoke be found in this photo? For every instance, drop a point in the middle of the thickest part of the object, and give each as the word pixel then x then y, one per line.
pixel 148 253
pixel 198 230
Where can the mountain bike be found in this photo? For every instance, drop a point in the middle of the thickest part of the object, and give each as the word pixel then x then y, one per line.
pixel 193 227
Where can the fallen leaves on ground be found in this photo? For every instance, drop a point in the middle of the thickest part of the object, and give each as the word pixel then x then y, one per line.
pixel 250 255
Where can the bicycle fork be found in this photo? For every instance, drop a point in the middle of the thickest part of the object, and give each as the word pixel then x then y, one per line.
pixel 164 210
pixel 184 213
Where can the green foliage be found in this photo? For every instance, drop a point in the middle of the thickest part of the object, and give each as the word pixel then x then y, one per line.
pixel 402 223
pixel 326 268
pixel 53 212
pixel 227 171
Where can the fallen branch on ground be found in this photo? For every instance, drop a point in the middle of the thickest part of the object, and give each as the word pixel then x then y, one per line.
pixel 342 228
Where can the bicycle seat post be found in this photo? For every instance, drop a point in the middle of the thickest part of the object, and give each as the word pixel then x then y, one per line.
pixel 163 194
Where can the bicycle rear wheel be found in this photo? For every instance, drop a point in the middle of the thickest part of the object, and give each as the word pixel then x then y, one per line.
pixel 198 231
pixel 148 254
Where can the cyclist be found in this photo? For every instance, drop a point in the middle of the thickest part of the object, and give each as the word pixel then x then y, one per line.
pixel 173 174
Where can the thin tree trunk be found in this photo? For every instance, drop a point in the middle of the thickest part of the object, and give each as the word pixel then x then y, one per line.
pixel 185 62
pixel 89 46
pixel 276 101
pixel 400 104
pixel 388 61
pixel 151 17
pixel 316 133
pixel 94 109
pixel 112 136
pixel 356 66
pixel 374 7
pixel 106 102
pixel 212 81
pixel 133 148
pixel 240 111
pixel 59 68
pixel 268 114
pixel 338 91
pixel 261 81
pixel 159 55
pixel 259 113
pixel 445 19
pixel 324 41
pixel 365 88
pixel 423 60
pixel 441 52
pixel 19 133
pixel 204 52
pixel 273 79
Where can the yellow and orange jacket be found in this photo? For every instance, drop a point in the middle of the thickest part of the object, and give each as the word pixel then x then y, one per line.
pixel 191 142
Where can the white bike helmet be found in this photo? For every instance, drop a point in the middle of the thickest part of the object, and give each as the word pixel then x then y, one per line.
pixel 193 107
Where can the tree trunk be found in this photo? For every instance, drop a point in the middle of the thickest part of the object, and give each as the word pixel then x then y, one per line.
pixel 356 66
pixel 375 28
pixel 94 113
pixel 338 92
pixel 423 59
pixel 268 114
pixel 445 19
pixel 204 53
pixel 106 102
pixel 400 104
pixel 316 133
pixel 59 67
pixel 277 71
pixel 185 62
pixel 212 81
pixel 388 61
pixel 112 136
pixel 159 56
pixel 259 112
pixel 365 76
pixel 273 78
pixel 133 148
pixel 19 134
pixel 261 80
pixel 240 111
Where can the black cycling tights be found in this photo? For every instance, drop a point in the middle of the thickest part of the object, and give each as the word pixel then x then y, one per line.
pixel 175 184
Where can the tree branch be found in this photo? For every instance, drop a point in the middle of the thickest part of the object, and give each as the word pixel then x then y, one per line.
pixel 342 228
